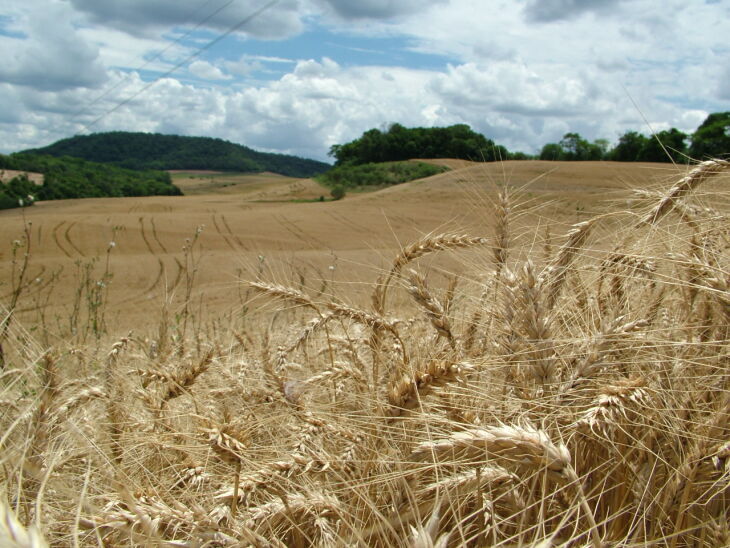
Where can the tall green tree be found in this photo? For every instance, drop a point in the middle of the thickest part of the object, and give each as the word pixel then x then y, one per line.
pixel 552 152
pixel 629 147
pixel 665 146
pixel 712 138
pixel 573 147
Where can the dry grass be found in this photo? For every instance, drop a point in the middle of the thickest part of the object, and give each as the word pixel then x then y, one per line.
pixel 538 393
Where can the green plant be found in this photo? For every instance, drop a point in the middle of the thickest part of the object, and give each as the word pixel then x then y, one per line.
pixel 338 192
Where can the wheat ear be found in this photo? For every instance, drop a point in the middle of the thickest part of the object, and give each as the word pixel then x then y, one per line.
pixel 501 230
pixel 516 444
pixel 435 311
pixel 553 278
pixel 684 186
pixel 407 392
pixel 297 297
pixel 418 249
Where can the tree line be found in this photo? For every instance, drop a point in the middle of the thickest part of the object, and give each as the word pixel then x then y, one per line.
pixel 711 139
pixel 68 177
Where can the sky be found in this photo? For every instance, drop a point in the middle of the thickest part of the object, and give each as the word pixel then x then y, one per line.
pixel 297 76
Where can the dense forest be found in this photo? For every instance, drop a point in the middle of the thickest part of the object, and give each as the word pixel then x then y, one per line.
pixel 75 178
pixel 401 143
pixel 143 151
pixel 711 139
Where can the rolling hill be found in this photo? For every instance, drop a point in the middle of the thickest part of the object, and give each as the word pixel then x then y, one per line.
pixel 144 151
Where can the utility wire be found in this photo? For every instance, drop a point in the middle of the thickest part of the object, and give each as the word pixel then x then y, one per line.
pixel 192 56
pixel 156 56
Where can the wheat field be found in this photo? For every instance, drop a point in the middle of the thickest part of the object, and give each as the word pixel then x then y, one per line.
pixel 517 354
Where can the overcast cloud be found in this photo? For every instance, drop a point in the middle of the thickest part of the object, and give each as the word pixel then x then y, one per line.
pixel 306 74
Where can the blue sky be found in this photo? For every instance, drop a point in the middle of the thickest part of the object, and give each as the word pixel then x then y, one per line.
pixel 272 59
pixel 305 74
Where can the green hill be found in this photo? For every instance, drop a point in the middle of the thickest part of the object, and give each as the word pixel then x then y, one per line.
pixel 153 151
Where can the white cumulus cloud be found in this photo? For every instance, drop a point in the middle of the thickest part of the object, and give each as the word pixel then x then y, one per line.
pixel 207 71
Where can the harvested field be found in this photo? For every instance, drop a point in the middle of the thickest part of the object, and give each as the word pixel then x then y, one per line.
pixel 258 216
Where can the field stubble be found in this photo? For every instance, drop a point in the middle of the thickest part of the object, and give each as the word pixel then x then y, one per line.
pixel 513 354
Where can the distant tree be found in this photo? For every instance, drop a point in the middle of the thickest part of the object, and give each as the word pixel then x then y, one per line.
pixel 712 138
pixel 552 152
pixel 629 147
pixel 576 148
pixel 600 148
pixel 665 146
pixel 573 146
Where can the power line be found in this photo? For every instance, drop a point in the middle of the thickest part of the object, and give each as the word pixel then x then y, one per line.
pixel 195 54
pixel 156 56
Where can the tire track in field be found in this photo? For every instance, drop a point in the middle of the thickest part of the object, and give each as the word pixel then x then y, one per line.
pixel 347 222
pixel 297 232
pixel 234 236
pixel 220 233
pixel 58 241
pixel 144 237
pixel 144 294
pixel 178 277
pixel 154 235
pixel 67 237
pixel 288 229
pixel 160 273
